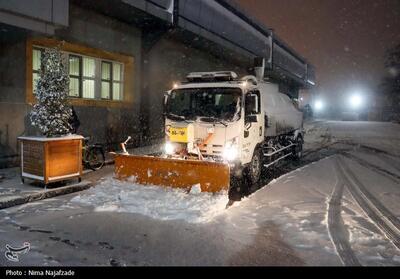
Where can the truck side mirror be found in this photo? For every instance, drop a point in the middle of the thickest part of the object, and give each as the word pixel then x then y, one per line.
pixel 166 95
pixel 251 106
pixel 251 119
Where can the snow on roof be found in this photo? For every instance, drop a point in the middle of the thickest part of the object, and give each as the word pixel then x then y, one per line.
pixel 69 137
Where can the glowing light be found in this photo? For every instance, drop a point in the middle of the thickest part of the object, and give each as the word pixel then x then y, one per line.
pixel 319 105
pixel 169 148
pixel 356 101
pixel 231 150
pixel 175 85
pixel 230 153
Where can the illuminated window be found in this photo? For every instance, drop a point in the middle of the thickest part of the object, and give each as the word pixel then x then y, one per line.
pixel 75 76
pixel 36 56
pixel 106 80
pixel 117 82
pixel 90 77
pixel 111 80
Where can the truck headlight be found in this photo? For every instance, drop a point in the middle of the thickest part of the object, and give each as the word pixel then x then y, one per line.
pixel 169 148
pixel 231 150
pixel 231 153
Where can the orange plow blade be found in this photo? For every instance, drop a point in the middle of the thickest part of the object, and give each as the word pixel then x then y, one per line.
pixel 212 177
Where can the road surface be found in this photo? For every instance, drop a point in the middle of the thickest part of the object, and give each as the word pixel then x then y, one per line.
pixel 339 206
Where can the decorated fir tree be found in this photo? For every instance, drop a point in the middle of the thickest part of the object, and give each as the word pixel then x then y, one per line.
pixel 52 113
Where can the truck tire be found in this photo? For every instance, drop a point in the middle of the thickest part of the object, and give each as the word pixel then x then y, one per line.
pixel 298 149
pixel 254 169
pixel 235 192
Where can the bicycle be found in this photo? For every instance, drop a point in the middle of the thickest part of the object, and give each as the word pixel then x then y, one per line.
pixel 93 155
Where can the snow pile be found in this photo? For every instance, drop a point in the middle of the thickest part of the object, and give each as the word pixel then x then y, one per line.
pixel 156 202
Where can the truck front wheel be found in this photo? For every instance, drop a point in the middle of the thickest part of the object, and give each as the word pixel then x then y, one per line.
pixel 255 168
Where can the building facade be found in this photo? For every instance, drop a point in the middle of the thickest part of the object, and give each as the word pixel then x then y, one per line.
pixel 122 56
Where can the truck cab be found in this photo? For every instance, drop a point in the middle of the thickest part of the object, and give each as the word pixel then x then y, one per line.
pixel 214 116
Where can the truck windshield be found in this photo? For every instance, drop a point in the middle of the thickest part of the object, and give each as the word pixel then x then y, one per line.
pixel 206 103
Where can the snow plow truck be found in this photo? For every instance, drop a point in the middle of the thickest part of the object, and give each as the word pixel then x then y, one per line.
pixel 219 128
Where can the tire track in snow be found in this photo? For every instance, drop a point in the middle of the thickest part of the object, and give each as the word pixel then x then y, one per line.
pixel 377 212
pixel 336 228
pixel 318 149
pixel 392 176
pixel 395 164
pixel 376 150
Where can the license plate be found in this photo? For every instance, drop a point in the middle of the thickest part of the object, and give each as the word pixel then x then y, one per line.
pixel 178 134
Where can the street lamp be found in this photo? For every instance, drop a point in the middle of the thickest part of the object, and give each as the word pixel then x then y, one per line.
pixel 356 101
pixel 319 105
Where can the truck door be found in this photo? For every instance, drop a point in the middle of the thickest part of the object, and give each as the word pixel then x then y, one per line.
pixel 254 124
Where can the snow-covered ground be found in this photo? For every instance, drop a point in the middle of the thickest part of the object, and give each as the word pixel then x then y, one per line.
pixel 298 202
pixel 161 203
pixel 341 206
pixel 378 135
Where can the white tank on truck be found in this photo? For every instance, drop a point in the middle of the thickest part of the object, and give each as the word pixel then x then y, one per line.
pixel 281 114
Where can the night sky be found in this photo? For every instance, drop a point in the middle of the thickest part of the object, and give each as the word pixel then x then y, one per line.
pixel 344 39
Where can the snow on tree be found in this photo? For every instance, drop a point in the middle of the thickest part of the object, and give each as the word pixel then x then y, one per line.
pixel 52 112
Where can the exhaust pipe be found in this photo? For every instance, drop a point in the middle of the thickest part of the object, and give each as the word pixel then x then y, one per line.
pixel 259 68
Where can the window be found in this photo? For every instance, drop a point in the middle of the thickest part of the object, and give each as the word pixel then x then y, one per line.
pixel 90 78
pixel 74 76
pixel 221 103
pixel 117 81
pixel 111 80
pixel 106 80
pixel 36 56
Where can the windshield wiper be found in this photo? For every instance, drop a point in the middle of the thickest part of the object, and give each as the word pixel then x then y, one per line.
pixel 180 117
pixel 214 119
